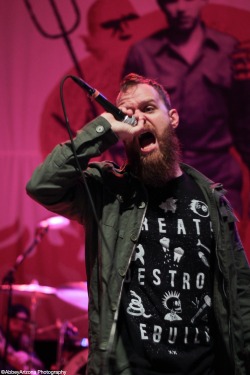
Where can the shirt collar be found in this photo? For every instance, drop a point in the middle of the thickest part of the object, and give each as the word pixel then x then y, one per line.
pixel 210 40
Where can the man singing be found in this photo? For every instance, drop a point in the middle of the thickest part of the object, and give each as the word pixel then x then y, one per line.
pixel 168 280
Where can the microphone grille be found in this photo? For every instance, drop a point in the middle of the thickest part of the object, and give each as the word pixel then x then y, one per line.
pixel 130 120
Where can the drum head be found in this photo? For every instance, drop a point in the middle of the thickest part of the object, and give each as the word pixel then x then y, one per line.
pixel 77 364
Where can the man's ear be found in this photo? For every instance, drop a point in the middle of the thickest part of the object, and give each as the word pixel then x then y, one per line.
pixel 174 118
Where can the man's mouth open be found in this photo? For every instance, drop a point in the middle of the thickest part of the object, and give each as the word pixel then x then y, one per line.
pixel 147 142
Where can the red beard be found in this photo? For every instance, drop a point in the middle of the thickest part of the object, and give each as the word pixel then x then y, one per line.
pixel 158 167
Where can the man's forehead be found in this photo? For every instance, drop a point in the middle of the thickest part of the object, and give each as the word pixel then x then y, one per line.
pixel 107 10
pixel 138 93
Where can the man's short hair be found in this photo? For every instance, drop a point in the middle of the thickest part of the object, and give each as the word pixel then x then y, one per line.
pixel 133 79
pixel 161 3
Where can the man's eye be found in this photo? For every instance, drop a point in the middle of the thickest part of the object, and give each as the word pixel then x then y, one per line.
pixel 148 109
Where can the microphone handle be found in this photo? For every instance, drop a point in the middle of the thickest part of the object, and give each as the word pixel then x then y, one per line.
pixel 111 108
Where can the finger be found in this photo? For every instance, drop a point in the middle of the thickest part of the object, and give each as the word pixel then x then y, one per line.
pixel 139 127
pixel 127 111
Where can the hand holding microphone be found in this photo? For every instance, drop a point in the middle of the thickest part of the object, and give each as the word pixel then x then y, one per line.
pixel 108 106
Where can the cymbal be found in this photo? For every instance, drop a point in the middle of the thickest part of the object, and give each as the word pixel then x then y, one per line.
pixel 75 294
pixel 76 285
pixel 27 289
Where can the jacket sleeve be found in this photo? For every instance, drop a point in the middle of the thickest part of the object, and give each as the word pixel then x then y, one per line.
pixel 243 290
pixel 235 267
pixel 57 183
pixel 243 283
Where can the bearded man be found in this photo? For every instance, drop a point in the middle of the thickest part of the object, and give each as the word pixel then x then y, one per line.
pixel 167 275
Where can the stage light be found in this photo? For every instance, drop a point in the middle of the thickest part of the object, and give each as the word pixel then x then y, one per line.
pixel 54 222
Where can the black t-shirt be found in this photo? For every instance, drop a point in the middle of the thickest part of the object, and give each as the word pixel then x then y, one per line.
pixel 166 310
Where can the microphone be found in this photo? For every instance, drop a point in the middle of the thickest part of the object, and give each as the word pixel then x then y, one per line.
pixel 108 106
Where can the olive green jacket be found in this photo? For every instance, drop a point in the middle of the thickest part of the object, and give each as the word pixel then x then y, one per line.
pixel 120 202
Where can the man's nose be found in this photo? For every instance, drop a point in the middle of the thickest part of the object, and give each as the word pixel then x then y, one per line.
pixel 139 114
pixel 181 5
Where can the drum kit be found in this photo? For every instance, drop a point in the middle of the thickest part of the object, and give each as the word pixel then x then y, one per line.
pixel 75 294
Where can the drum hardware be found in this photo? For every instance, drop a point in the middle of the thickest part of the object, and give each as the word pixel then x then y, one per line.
pixel 74 293
pixel 60 343
pixel 9 278
pixel 77 364
pixel 67 342
pixel 8 281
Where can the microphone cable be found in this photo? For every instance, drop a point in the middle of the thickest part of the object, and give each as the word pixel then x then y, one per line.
pixel 78 167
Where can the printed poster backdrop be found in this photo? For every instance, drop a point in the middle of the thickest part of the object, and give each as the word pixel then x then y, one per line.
pixel 92 42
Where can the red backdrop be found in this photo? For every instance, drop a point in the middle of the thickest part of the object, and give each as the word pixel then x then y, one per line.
pixel 32 66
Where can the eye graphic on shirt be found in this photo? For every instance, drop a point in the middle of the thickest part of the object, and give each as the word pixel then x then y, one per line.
pixel 200 208
pixel 169 205
pixel 172 303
